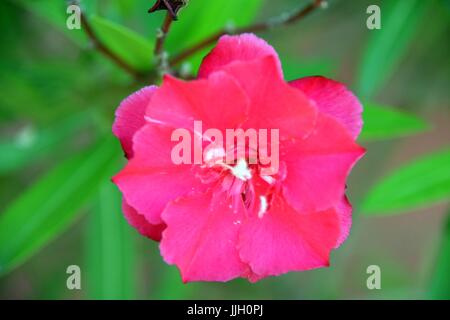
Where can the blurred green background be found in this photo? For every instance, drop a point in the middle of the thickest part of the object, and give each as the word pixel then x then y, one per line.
pixel 58 95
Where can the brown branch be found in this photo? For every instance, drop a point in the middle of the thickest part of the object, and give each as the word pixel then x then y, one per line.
pixel 106 51
pixel 258 27
pixel 160 56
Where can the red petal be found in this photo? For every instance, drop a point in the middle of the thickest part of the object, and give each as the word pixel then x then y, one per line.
pixel 318 166
pixel 334 99
pixel 274 104
pixel 150 179
pixel 284 240
pixel 241 48
pixel 344 212
pixel 201 237
pixel 130 117
pixel 218 102
pixel 139 222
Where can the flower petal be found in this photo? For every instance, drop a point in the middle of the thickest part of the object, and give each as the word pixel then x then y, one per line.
pixel 274 104
pixel 130 117
pixel 201 237
pixel 284 240
pixel 318 166
pixel 218 102
pixel 344 212
pixel 150 179
pixel 139 222
pixel 334 99
pixel 240 48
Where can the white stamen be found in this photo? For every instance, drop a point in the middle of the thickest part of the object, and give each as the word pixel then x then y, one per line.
pixel 241 170
pixel 262 207
pixel 268 179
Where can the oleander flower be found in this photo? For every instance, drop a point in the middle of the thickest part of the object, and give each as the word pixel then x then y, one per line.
pixel 217 221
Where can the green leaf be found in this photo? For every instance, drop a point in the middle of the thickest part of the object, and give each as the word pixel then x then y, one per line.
pixel 440 282
pixel 419 184
pixel 38 91
pixel 30 144
pixel 49 206
pixel 133 48
pixel 9 15
pixel 294 69
pixel 385 48
pixel 55 13
pixel 127 44
pixel 18 98
pixel 385 123
pixel 200 19
pixel 110 249
pixel 171 287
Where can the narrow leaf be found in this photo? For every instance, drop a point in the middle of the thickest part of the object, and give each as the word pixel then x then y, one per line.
pixel 110 249
pixel 294 68
pixel 171 287
pixel 38 92
pixel 202 18
pixel 54 13
pixel 419 184
pixel 386 123
pixel 440 283
pixel 129 45
pixel 30 145
pixel 385 48
pixel 50 205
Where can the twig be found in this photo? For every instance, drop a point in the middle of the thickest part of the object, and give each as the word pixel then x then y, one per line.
pixel 160 55
pixel 258 27
pixel 104 49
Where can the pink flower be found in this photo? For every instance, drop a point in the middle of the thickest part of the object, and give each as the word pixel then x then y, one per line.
pixel 214 224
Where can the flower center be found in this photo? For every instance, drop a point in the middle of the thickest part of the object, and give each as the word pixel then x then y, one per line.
pixel 240 170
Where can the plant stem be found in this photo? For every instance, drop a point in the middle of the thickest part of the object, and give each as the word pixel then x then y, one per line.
pixel 106 51
pixel 258 27
pixel 160 55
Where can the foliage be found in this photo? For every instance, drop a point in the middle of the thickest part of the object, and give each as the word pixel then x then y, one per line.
pixel 57 104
